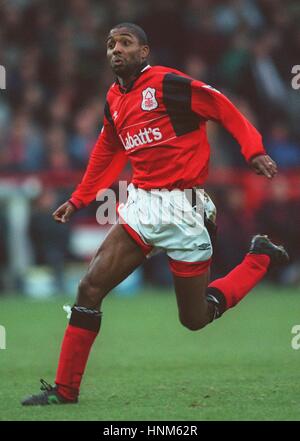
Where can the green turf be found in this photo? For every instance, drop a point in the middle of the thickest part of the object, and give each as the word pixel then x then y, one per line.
pixel 145 366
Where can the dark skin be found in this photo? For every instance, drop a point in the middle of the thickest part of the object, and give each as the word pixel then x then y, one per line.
pixel 119 255
pixel 125 54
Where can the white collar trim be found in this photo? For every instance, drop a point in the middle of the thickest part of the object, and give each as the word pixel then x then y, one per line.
pixel 146 67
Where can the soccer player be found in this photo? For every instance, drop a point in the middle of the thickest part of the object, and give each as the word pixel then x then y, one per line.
pixel 156 117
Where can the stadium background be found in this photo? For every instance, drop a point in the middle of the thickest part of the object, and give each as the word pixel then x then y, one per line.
pixel 51 113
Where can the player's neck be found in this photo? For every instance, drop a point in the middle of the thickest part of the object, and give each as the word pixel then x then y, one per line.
pixel 126 82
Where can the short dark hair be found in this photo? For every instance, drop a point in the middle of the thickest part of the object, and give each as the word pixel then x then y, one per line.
pixel 135 30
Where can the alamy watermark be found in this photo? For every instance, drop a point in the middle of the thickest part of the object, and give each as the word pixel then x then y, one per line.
pixel 295 343
pixel 2 77
pixel 153 207
pixel 296 78
pixel 2 337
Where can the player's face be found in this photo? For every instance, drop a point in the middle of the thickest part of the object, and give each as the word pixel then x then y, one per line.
pixel 124 52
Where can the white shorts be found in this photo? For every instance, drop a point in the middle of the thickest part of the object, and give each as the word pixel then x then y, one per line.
pixel 168 221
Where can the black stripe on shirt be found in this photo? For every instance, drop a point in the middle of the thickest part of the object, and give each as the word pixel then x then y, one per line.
pixel 177 97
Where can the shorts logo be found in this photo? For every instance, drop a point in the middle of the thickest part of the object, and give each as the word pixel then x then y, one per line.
pixel 204 247
pixel 149 101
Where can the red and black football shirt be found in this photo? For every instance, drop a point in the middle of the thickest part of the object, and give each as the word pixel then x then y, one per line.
pixel 159 124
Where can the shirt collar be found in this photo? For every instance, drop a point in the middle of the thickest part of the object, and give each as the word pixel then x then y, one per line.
pixel 142 68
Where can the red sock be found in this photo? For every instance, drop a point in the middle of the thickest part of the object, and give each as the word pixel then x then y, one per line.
pixel 74 354
pixel 242 278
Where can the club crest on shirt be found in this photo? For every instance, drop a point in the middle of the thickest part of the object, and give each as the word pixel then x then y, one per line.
pixel 149 101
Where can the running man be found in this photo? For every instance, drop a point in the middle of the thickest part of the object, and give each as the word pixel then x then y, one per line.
pixel 156 117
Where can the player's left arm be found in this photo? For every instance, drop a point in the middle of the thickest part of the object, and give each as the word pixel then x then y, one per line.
pixel 211 104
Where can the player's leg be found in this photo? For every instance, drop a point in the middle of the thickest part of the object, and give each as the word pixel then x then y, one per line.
pixel 262 255
pixel 199 305
pixel 116 258
pixel 195 311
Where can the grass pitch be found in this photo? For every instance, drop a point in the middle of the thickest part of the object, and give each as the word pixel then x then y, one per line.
pixel 146 366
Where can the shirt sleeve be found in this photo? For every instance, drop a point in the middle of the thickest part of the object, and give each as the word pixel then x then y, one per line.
pixel 211 104
pixel 106 162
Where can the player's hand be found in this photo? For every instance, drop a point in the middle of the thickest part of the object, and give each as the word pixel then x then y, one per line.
pixel 264 165
pixel 64 212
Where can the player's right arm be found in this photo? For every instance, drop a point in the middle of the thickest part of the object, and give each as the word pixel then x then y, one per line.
pixel 63 213
pixel 105 164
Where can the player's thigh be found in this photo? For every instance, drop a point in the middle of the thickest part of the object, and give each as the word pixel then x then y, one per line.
pixel 191 299
pixel 117 257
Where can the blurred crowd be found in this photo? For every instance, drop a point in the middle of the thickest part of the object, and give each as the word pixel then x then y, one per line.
pixel 57 78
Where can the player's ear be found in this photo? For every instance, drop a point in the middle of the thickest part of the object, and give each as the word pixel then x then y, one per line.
pixel 145 51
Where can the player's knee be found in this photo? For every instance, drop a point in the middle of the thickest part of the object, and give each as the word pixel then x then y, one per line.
pixel 193 324
pixel 89 294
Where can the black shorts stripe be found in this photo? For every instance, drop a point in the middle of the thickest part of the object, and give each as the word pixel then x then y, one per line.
pixel 177 97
